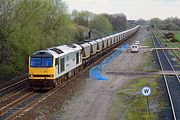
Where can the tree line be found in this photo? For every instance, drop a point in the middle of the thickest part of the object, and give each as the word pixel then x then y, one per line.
pixel 30 25
pixel 100 23
pixel 171 23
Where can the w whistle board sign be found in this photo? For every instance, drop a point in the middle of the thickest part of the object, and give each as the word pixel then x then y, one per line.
pixel 146 91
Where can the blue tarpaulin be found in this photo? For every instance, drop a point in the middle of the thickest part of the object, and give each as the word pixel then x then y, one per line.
pixel 96 71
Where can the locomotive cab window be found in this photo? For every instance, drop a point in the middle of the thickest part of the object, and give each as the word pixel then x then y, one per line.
pixel 41 62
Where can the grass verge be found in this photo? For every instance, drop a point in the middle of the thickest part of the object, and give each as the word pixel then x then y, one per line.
pixel 148 42
pixel 177 35
pixel 130 104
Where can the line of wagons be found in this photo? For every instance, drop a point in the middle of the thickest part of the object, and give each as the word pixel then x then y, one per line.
pixel 52 66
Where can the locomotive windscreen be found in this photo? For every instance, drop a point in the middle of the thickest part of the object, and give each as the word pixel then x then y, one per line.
pixel 41 62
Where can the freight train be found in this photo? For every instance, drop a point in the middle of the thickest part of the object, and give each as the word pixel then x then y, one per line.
pixel 52 66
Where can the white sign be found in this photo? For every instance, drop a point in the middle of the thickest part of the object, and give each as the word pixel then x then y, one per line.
pixel 146 91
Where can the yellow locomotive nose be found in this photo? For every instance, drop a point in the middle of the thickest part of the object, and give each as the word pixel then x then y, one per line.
pixel 41 73
pixel 41 66
pixel 41 70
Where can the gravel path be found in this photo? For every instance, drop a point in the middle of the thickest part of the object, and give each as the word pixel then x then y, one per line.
pixel 95 97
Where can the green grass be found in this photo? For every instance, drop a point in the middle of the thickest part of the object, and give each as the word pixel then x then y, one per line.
pixel 147 64
pixel 148 42
pixel 138 109
pixel 130 104
pixel 177 35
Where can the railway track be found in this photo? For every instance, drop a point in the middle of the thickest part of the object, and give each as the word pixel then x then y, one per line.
pixel 13 88
pixel 171 82
pixel 14 104
pixel 170 45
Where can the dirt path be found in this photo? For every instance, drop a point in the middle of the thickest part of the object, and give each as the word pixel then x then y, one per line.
pixel 94 99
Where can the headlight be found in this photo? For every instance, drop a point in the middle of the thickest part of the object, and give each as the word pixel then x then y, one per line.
pixel 31 75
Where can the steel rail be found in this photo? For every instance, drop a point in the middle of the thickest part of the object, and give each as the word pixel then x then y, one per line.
pixel 164 76
pixel 13 94
pixel 13 85
pixel 168 60
pixel 13 103
pixel 173 46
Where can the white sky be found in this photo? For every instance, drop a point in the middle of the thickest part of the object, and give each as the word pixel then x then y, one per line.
pixel 133 9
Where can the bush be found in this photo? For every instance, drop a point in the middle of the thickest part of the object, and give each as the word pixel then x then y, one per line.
pixel 6 71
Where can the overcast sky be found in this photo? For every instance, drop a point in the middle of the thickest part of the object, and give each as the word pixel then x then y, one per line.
pixel 133 9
